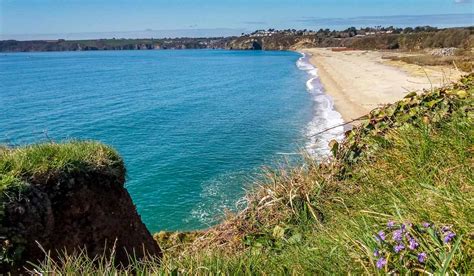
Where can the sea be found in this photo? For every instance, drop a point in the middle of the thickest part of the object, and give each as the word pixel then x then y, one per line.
pixel 194 127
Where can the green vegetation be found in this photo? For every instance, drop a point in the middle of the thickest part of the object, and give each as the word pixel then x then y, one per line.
pixel 378 38
pixel 30 164
pixel 403 177
pixel 22 168
pixel 370 38
pixel 416 40
pixel 112 44
pixel 455 37
pixel 40 160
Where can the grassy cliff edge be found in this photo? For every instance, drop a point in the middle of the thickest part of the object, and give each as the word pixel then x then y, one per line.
pixel 58 198
pixel 396 198
pixel 406 169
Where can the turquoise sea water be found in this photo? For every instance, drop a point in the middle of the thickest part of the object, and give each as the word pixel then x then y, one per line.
pixel 192 126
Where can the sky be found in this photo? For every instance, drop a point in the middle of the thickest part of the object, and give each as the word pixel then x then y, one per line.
pixel 73 19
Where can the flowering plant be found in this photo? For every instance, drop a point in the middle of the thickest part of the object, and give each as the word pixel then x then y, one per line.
pixel 405 246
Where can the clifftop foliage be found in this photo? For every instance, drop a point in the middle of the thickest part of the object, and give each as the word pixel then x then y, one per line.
pixel 112 44
pixel 396 199
pixel 428 108
pixel 23 168
pixel 362 39
pixel 43 160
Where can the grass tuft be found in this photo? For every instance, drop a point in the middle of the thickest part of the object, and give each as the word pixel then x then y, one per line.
pixel 40 160
pixel 23 167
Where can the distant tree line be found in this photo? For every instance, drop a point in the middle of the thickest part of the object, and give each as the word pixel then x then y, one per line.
pixel 112 44
pixel 377 37
pixel 349 32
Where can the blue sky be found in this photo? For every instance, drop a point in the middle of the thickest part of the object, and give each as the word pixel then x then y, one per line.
pixel 127 18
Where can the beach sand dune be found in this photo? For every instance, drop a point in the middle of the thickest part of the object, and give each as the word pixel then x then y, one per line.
pixel 359 81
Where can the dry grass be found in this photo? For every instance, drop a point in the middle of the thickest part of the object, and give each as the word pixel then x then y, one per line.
pixel 463 61
pixel 309 218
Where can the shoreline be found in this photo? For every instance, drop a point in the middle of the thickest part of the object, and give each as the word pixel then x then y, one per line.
pixel 359 81
pixel 326 123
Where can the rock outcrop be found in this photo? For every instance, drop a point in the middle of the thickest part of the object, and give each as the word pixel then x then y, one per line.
pixel 280 42
pixel 245 44
pixel 79 206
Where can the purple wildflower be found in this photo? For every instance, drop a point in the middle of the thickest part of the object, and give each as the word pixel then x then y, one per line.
pixel 422 257
pixel 376 253
pixel 381 235
pixel 413 244
pixel 406 225
pixel 449 236
pixel 426 224
pixel 381 263
pixel 398 247
pixel 398 235
pixel 445 229
pixel 390 224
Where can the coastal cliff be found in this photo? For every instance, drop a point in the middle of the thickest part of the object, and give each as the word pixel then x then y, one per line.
pixel 291 40
pixel 408 39
pixel 395 198
pixel 385 203
pixel 113 44
pixel 58 198
pixel 280 42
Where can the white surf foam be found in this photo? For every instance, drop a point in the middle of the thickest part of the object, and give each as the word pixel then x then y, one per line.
pixel 218 195
pixel 325 116
pixel 214 194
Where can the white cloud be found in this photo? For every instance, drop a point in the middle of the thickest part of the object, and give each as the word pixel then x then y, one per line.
pixel 462 1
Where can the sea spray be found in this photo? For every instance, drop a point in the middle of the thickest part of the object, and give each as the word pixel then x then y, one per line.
pixel 325 116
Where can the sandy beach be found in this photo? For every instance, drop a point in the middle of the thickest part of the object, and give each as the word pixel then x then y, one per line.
pixel 359 81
